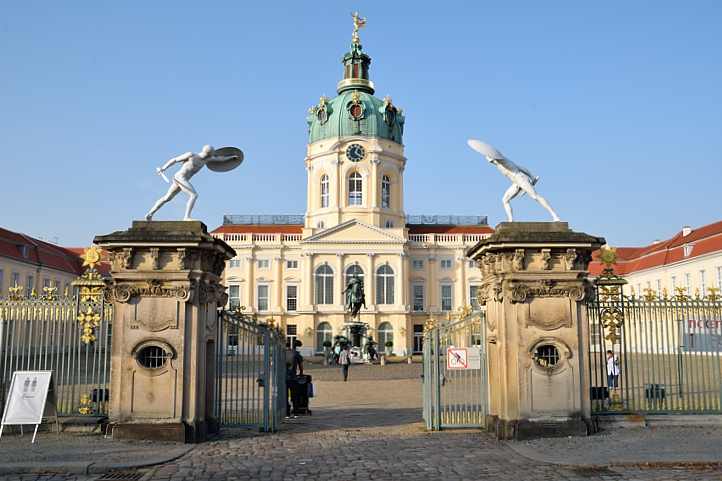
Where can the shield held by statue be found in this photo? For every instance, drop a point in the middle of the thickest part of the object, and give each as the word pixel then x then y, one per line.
pixel 226 165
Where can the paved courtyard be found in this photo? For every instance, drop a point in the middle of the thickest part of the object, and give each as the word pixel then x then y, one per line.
pixel 370 429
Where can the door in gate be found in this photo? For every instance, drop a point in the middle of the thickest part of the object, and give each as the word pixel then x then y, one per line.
pixel 455 380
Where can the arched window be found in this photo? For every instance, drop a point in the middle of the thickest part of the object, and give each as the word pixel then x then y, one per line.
pixel 355 189
pixel 324 190
pixel 385 285
pixel 324 285
pixel 351 270
pixel 385 192
pixel 389 224
pixel 323 333
pixel 386 334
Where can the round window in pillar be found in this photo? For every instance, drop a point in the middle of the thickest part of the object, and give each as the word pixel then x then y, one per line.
pixel 153 355
pixel 546 356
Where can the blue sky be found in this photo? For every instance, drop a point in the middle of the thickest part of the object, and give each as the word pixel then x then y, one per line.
pixel 616 105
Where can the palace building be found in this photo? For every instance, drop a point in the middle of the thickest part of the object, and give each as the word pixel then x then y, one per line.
pixel 295 268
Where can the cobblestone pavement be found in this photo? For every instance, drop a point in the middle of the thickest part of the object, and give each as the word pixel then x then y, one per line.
pixel 682 444
pixel 371 430
pixel 79 448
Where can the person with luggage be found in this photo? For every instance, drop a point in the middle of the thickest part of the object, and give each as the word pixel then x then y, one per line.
pixel 294 368
pixel 344 360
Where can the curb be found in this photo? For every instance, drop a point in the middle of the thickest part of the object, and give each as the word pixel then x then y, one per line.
pixel 530 455
pixel 88 467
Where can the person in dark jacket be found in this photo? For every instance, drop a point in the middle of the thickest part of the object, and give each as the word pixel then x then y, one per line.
pixel 294 368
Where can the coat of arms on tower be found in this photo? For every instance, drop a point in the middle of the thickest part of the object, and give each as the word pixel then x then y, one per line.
pixel 356 107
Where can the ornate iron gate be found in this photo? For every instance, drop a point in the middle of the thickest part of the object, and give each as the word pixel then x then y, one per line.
pixel 666 349
pixel 251 373
pixel 455 372
pixel 68 334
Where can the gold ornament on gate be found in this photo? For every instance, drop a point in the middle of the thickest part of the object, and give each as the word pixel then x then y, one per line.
pixel 91 289
pixel 91 257
pixel 15 293
pixel 89 321
pixel 85 405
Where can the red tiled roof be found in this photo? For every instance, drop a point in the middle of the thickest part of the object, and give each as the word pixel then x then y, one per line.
pixel 38 252
pixel 703 240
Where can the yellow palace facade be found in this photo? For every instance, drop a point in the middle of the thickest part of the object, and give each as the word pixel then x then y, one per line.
pixel 295 268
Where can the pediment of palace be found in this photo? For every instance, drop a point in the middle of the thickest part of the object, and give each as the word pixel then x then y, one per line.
pixel 353 232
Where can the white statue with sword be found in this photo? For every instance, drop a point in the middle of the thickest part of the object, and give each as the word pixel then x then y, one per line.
pixel 220 160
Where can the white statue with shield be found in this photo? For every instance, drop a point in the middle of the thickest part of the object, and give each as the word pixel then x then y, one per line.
pixel 522 181
pixel 218 160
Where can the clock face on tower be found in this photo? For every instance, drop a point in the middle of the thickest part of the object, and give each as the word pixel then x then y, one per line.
pixel 355 152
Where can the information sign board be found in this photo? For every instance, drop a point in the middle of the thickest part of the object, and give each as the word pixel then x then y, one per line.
pixel 30 398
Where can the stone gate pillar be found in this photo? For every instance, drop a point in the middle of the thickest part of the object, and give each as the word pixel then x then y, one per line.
pixel 534 288
pixel 165 292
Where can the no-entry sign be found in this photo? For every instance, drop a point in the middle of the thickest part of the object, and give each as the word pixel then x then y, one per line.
pixel 457 358
pixel 463 358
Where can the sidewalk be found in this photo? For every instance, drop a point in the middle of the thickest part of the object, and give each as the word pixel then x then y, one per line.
pixel 81 454
pixel 662 446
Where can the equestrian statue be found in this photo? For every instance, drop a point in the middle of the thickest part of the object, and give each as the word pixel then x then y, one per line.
pixel 355 297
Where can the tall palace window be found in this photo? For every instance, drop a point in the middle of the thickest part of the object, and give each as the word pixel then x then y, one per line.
pixel 385 285
pixel 351 270
pixel 386 334
pixel 323 333
pixel 324 190
pixel 385 192
pixel 324 285
pixel 355 189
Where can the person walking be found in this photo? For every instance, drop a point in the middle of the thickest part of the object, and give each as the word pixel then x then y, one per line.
pixel 613 379
pixel 344 360
pixel 612 370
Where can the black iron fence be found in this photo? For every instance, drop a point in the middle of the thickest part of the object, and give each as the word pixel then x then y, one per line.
pixel 655 353
pixel 68 334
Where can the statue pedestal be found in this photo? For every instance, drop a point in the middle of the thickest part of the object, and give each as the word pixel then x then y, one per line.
pixel 165 295
pixel 537 331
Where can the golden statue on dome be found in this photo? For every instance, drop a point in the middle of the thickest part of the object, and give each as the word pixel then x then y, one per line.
pixel 358 23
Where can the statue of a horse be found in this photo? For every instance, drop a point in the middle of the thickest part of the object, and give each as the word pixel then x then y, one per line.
pixel 355 297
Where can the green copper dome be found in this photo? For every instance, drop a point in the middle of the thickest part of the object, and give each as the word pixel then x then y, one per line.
pixel 355 111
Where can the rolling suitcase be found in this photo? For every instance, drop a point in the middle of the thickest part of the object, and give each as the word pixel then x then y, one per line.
pixel 300 391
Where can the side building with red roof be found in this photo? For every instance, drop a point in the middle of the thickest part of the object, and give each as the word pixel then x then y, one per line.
pixel 34 264
pixel 690 262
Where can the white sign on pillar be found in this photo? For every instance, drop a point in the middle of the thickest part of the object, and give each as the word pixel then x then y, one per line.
pixel 31 398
